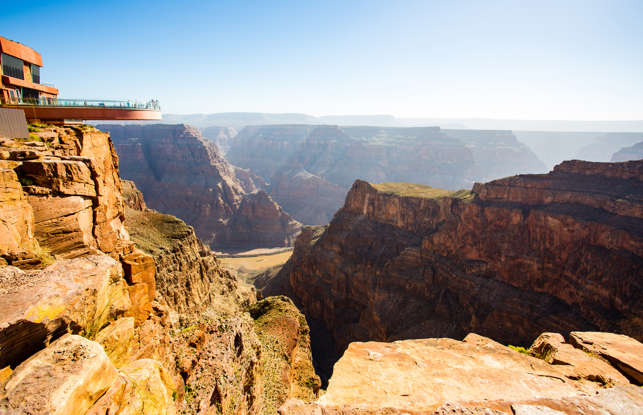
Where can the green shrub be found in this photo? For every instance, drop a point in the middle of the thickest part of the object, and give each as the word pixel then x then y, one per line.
pixel 519 349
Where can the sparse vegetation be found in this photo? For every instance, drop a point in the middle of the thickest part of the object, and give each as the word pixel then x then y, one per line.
pixel 519 349
pixel 421 190
pixel 154 232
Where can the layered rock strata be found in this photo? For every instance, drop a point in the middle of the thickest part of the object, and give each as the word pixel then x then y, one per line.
pixel 473 376
pixel 515 257
pixel 64 191
pixel 130 332
pixel 182 174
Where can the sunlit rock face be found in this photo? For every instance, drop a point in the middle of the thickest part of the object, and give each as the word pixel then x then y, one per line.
pixel 513 258
pixel 476 376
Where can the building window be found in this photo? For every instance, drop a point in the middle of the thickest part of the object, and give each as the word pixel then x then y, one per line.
pixel 12 66
pixel 35 74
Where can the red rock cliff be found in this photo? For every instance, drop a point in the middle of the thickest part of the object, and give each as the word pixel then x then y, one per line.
pixel 518 256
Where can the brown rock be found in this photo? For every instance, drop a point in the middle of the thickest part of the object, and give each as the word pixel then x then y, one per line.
pixel 16 216
pixel 79 295
pixel 577 364
pixel 132 197
pixel 443 376
pixel 139 271
pixel 623 352
pixel 64 224
pixel 61 177
pixel 181 173
pixel 260 220
pixel 73 188
pixel 421 375
pixel 514 258
pixel 65 378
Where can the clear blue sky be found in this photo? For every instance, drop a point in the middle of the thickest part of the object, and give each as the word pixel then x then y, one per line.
pixel 487 59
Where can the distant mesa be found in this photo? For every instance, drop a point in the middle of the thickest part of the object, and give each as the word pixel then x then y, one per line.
pixel 309 168
pixel 634 152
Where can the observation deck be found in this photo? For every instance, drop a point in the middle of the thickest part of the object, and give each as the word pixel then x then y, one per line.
pixel 59 109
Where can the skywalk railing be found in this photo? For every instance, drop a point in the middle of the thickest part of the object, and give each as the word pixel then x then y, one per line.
pixel 61 102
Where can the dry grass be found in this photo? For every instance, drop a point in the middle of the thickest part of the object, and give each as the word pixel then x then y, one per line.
pixel 154 232
pixel 420 190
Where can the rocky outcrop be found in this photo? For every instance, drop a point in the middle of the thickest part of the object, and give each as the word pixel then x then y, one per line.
pixel 186 269
pixel 79 295
pixel 285 353
pixel 132 197
pixel 310 168
pixel 182 174
pixel 634 152
pixel 168 331
pixel 473 376
pixel 623 352
pixel 69 179
pixel 65 378
pixel 260 220
pixel 514 258
pixel 576 363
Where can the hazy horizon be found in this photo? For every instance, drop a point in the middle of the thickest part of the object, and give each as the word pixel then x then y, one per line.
pixel 573 60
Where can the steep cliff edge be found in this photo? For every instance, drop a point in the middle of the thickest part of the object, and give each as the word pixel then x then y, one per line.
pixel 165 331
pixel 478 376
pixel 515 257
pixel 182 174
pixel 64 190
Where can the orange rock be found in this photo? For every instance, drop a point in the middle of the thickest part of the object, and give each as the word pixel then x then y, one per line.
pixel 577 364
pixel 623 352
pixel 139 269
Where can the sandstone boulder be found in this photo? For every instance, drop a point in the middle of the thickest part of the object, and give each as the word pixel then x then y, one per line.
pixel 576 363
pixel 477 376
pixel 623 352
pixel 118 340
pixel 65 378
pixel 139 272
pixel 80 295
pixel 421 375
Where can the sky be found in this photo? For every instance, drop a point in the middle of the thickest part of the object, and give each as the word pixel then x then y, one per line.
pixel 563 59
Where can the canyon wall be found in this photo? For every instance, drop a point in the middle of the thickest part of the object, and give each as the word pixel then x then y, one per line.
pixel 96 322
pixel 512 258
pixel 221 136
pixel 182 174
pixel 310 168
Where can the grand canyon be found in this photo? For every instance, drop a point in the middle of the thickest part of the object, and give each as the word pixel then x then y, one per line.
pixel 321 208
